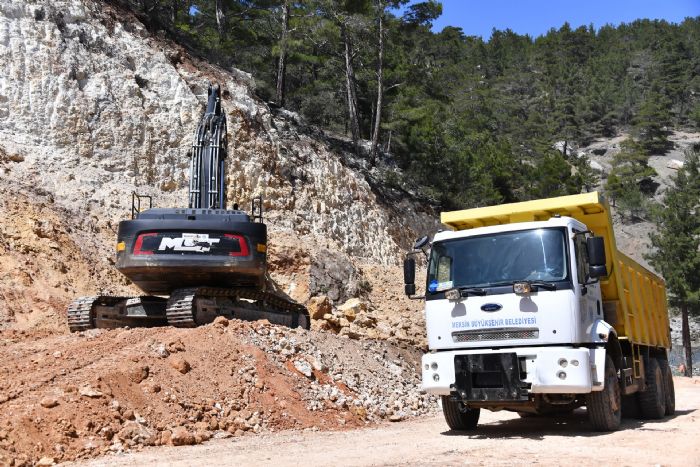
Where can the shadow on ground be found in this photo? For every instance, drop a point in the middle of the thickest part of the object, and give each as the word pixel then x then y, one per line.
pixel 537 427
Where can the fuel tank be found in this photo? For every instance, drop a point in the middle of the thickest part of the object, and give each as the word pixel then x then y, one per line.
pixel 161 250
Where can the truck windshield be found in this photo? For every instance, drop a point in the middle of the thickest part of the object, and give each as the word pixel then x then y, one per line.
pixel 499 259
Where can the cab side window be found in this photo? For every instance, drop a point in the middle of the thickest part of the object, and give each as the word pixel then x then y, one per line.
pixel 444 269
pixel 581 258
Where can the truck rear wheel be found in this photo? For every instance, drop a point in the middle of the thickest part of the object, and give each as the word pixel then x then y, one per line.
pixel 652 402
pixel 458 416
pixel 605 407
pixel 669 390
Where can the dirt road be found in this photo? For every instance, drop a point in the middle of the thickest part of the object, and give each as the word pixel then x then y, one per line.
pixel 502 439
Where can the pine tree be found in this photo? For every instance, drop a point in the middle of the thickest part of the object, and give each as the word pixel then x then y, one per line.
pixel 676 244
pixel 630 171
pixel 652 122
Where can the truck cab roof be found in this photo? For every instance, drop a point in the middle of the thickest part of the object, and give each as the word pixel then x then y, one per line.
pixel 563 221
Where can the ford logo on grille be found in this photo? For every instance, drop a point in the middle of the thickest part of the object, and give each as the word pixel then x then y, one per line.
pixel 491 307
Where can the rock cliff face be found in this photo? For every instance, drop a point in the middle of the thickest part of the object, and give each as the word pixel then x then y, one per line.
pixel 93 107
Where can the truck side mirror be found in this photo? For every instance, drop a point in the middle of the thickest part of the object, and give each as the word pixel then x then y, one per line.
pixel 409 276
pixel 596 257
pixel 420 243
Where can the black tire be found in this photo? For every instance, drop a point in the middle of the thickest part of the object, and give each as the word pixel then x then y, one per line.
pixel 652 401
pixel 459 417
pixel 605 407
pixel 669 390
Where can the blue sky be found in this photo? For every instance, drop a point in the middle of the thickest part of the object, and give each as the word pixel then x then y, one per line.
pixel 536 17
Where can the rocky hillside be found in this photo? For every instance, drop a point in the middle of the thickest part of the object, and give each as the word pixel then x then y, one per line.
pixel 93 107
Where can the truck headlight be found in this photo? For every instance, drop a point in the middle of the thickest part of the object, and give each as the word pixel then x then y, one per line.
pixel 522 288
pixel 436 377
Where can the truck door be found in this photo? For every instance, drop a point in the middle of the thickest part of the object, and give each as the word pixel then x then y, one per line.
pixel 590 305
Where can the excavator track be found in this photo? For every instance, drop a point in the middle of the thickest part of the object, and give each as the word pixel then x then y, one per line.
pixel 80 314
pixel 181 308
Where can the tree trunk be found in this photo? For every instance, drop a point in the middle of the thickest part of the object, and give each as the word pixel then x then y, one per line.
pixel 686 340
pixel 350 87
pixel 173 11
pixel 282 63
pixel 380 92
pixel 220 18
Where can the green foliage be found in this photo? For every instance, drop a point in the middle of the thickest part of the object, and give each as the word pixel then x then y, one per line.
pixel 472 121
pixel 629 177
pixel 676 244
pixel 652 122
pixel 585 176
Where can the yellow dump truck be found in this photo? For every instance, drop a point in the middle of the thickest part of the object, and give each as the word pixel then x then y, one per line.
pixel 530 307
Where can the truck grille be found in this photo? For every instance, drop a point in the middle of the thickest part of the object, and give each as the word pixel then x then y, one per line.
pixel 495 334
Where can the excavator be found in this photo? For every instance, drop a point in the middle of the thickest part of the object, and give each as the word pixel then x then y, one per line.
pixel 193 263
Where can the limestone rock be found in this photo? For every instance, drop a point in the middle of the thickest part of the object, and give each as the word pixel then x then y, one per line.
pixel 303 367
pixel 89 391
pixel 351 308
pixel 319 306
pixel 675 164
pixel 137 433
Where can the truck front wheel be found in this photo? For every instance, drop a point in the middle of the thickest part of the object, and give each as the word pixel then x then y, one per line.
pixel 652 401
pixel 458 416
pixel 605 407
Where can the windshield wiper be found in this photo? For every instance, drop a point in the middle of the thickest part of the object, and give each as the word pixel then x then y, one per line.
pixel 543 284
pixel 471 291
pixel 501 284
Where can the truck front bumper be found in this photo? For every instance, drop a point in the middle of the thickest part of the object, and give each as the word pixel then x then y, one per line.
pixel 542 370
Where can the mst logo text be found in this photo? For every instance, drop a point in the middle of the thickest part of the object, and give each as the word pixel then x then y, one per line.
pixel 200 243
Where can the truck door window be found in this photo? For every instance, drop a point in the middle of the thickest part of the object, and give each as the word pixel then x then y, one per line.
pixel 581 258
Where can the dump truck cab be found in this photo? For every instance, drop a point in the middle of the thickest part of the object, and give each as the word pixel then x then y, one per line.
pixel 514 288
pixel 530 307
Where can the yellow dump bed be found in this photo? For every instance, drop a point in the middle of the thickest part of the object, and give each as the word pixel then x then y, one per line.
pixel 634 297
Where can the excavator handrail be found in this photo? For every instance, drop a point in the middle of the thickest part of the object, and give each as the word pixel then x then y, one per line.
pixel 136 203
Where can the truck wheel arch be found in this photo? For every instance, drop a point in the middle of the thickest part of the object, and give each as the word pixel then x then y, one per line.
pixel 604 333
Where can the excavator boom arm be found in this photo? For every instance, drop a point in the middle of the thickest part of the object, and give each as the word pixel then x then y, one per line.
pixel 209 152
